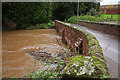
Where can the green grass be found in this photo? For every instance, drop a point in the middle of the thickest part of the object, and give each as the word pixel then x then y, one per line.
pixel 107 17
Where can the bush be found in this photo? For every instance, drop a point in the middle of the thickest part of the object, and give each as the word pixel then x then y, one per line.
pixel 88 18
pixel 75 19
pixel 51 24
pixel 42 26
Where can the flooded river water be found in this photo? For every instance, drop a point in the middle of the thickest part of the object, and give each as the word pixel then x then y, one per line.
pixel 15 62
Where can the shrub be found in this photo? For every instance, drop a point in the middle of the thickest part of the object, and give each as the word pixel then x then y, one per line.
pixel 42 26
pixel 88 18
pixel 75 19
pixel 51 24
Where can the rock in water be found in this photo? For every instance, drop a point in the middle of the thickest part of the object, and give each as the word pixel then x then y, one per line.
pixel 40 55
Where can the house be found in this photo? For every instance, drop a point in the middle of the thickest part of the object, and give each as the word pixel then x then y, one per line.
pixel 110 9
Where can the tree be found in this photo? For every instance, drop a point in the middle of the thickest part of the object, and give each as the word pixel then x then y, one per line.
pixel 27 13
pixel 91 5
pixel 62 10
pixel 93 12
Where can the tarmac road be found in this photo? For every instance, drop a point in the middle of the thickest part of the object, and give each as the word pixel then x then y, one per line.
pixel 109 44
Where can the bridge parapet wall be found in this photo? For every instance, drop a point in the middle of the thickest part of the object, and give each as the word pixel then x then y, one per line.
pixel 112 29
pixel 90 46
pixel 71 35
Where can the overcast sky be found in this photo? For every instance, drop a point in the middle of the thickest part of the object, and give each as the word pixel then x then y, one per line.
pixel 108 2
pixel 103 2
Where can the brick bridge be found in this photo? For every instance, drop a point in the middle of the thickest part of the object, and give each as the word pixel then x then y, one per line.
pixel 85 36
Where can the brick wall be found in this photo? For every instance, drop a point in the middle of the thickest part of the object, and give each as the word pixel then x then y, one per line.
pixel 112 29
pixel 72 37
pixel 76 37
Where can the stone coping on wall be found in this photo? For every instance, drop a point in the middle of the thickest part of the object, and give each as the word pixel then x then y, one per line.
pixel 95 53
pixel 101 23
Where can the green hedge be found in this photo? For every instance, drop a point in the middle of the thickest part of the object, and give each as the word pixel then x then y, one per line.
pixel 103 17
pixel 26 14
pixel 75 19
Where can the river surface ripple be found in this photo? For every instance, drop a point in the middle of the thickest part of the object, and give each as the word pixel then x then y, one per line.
pixel 15 62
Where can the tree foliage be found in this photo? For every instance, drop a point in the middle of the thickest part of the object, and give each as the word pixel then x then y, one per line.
pixel 25 14
pixel 93 12
pixel 62 10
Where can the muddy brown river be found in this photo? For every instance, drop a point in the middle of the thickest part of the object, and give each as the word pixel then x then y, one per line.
pixel 15 62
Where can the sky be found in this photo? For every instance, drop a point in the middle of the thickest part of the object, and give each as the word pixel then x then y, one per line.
pixel 103 2
pixel 108 2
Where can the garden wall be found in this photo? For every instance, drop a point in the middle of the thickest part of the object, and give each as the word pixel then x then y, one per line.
pixel 85 44
pixel 104 27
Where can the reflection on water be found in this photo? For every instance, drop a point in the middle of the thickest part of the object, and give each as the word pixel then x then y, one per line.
pixel 15 62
